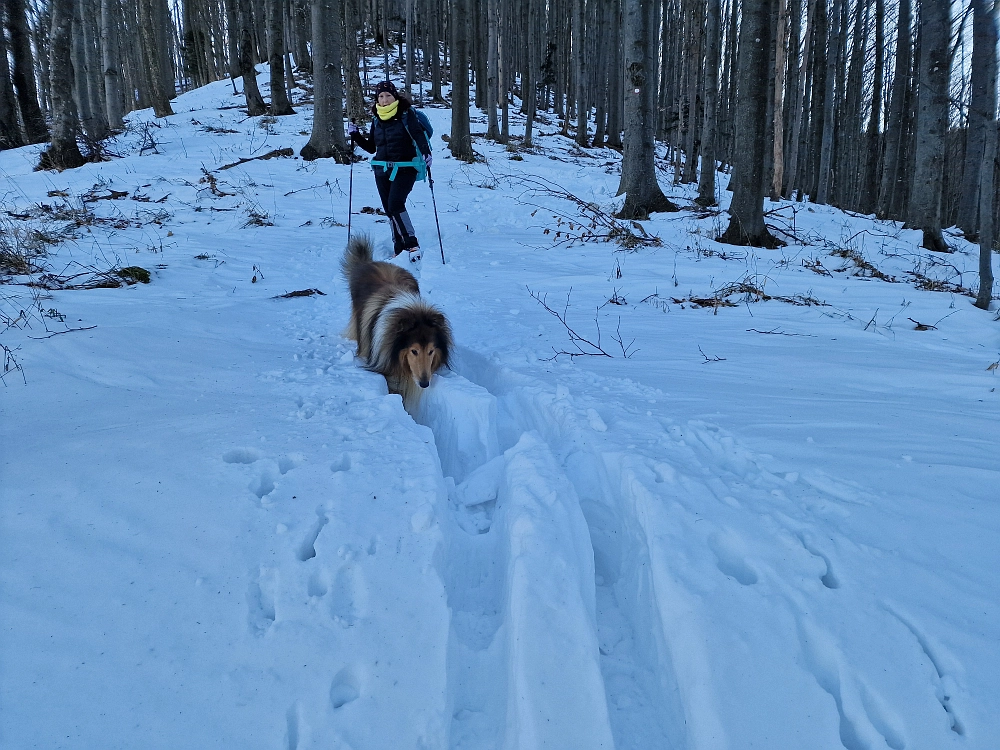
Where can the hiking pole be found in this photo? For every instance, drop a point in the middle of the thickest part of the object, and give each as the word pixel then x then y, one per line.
pixel 350 191
pixel 430 181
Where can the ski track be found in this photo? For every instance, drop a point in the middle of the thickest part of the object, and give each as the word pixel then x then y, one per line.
pixel 541 497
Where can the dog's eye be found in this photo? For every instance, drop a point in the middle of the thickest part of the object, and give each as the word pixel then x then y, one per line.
pixel 414 352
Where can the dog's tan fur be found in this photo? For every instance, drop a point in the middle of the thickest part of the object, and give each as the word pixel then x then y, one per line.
pixel 399 335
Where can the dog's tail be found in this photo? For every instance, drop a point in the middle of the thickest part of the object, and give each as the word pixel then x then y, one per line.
pixel 358 252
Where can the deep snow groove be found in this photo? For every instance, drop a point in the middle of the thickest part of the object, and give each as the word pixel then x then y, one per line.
pixel 519 669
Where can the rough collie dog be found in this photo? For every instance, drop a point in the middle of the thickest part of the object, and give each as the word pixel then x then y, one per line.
pixel 399 335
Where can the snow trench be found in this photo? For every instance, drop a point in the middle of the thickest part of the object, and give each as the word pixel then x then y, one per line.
pixel 558 632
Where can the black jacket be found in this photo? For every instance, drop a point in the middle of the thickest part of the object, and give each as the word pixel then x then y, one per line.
pixel 393 139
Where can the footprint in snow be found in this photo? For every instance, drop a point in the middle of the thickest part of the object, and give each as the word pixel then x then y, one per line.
pixel 346 687
pixel 729 559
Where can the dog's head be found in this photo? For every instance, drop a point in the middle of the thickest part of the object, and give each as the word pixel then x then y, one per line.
pixel 424 346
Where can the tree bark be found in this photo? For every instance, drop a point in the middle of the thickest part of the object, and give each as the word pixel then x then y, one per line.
pixel 823 189
pixel 982 111
pixel 63 153
pixel 280 105
pixel 461 135
pixel 328 91
pixel 243 13
pixel 869 187
pixel 642 192
pixel 713 30
pixel 987 182
pixel 151 40
pixel 892 179
pixel 111 65
pixel 10 128
pixel 35 128
pixel 778 108
pixel 746 211
pixel 934 71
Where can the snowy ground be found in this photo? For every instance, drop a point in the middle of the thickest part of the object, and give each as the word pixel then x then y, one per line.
pixel 773 525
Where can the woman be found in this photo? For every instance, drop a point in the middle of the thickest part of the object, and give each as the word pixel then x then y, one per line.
pixel 402 152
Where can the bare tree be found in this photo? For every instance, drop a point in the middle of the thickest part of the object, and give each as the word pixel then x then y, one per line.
pixel 153 49
pixel 982 110
pixel 63 152
pixel 111 64
pixel 713 37
pixel 461 135
pixel 276 57
pixel 987 233
pixel 241 13
pixel 934 69
pixel 10 129
pixel 746 211
pixel 642 192
pixel 328 91
pixel 23 72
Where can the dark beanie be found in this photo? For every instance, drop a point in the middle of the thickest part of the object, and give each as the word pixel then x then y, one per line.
pixel 386 86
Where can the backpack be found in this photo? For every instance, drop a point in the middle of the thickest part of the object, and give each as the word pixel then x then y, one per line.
pixel 424 123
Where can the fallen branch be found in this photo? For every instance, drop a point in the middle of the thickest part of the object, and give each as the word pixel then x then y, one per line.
pixel 59 333
pixel 278 152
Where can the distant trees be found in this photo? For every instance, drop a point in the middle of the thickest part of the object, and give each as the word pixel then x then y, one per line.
pixel 877 106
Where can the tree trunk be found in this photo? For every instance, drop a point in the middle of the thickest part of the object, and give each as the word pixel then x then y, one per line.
pixel 779 93
pixel 150 40
pixel 280 105
pixel 823 189
pixel 63 153
pixel 746 224
pixel 892 177
pixel 934 71
pixel 987 173
pixel 10 129
pixel 982 111
pixel 869 187
pixel 492 71
pixel 713 30
pixel 461 135
pixel 24 73
pixel 246 52
pixel 328 91
pixel 642 192
pixel 580 71
pixel 800 105
pixel 111 65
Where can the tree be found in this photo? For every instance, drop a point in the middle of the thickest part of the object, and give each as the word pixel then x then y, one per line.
pixel 642 192
pixel 893 182
pixel 706 182
pixel 111 63
pixel 276 57
pixel 241 13
pixel 23 72
pixel 10 130
pixel 62 153
pixel 987 176
pixel 746 211
pixel 982 111
pixel 328 91
pixel 933 73
pixel 461 133
pixel 153 52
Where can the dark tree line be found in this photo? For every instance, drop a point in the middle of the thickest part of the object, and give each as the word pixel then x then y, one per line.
pixel 876 106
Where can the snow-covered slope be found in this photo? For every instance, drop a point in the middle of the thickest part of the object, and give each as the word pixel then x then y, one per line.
pixel 771 525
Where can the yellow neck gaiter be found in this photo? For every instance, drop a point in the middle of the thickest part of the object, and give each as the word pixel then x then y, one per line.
pixel 387 113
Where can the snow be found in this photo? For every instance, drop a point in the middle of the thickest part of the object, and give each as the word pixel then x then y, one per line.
pixel 771 525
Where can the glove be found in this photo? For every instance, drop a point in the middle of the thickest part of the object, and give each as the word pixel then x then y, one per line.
pixel 352 128
pixel 428 158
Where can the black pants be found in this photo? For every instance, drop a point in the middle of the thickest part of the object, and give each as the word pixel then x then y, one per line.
pixel 394 194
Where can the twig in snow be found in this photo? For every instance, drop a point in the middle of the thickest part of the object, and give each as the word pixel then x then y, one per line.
pixel 584 347
pixel 710 359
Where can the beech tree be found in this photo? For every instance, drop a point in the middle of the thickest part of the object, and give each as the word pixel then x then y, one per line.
pixel 746 212
pixel 327 139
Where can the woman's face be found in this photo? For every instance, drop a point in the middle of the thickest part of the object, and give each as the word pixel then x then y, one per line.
pixel 385 98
